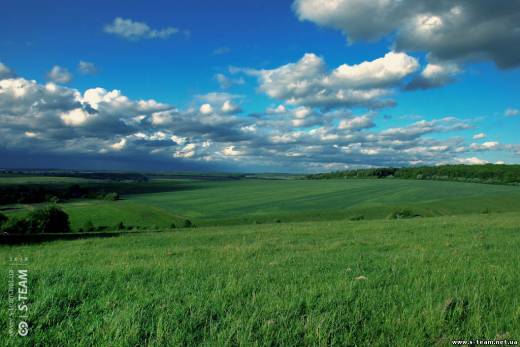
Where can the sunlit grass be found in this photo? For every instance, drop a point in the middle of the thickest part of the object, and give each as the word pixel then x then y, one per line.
pixel 414 282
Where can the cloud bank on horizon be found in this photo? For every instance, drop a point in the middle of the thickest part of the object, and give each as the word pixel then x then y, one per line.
pixel 320 116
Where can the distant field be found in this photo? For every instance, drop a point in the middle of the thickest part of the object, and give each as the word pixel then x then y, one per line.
pixel 17 180
pixel 249 201
pixel 417 282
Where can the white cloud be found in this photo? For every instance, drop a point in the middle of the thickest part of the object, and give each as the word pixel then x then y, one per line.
pixel 118 146
pixel 471 161
pixel 280 109
pixel 87 68
pixel 381 72
pixel 65 120
pixel 228 107
pixel 206 109
pixel 486 146
pixel 479 136
pixel 161 118
pixel 187 151
pixel 133 30
pixel 308 83
pixel 97 96
pixel 357 123
pixel 248 128
pixel 490 144
pixel 231 151
pixel 178 140
pixel 435 75
pixel 75 117
pixel 511 112
pixel 302 112
pixel 30 134
pixel 59 74
pixel 424 127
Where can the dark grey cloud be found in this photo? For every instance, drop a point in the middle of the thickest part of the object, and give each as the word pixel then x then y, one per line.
pixel 448 30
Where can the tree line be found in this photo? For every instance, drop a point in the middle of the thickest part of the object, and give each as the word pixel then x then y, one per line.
pixel 30 194
pixel 489 173
pixel 45 220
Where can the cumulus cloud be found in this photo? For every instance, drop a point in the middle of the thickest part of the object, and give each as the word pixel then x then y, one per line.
pixel 222 103
pixel 59 74
pixel 231 151
pixel 308 83
pixel 423 127
pixel 486 146
pixel 381 72
pixel 228 107
pixel 206 109
pixel 187 151
pixel 277 110
pixel 434 75
pixel 133 30
pixel 511 112
pixel 467 29
pixel 87 68
pixel 471 161
pixel 357 123
pixel 479 136
pixel 100 123
pixel 118 145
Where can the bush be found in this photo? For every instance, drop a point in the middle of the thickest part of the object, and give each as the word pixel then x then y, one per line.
pixel 53 199
pixel 173 226
pixel 15 226
pixel 187 223
pixel 403 214
pixel 3 219
pixel 111 196
pixel 49 220
pixel 120 226
pixel 357 218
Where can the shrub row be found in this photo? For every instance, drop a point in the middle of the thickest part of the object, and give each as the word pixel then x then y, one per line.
pixel 45 220
pixel 36 194
pixel 489 173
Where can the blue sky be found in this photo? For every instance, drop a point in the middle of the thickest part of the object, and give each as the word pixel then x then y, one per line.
pixel 419 85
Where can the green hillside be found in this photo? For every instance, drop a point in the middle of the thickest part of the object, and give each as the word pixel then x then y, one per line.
pixel 159 204
pixel 417 282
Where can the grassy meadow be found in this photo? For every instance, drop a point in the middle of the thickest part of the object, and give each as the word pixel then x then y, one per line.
pixel 416 282
pixel 277 262
pixel 161 202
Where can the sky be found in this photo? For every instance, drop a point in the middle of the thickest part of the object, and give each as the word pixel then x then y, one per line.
pixel 271 86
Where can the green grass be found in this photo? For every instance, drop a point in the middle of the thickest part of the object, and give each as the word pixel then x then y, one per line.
pixel 209 203
pixel 7 180
pixel 428 281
